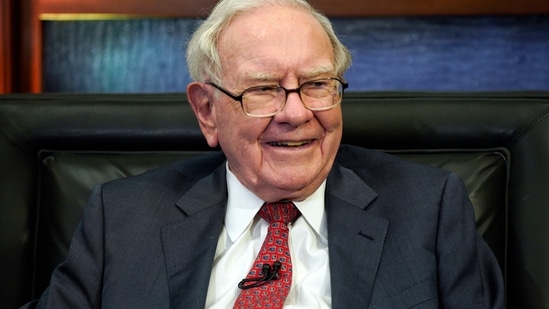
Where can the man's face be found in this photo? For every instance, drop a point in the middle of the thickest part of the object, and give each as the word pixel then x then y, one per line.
pixel 286 156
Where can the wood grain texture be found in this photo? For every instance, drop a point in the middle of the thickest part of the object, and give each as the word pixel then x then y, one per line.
pixel 193 8
pixel 29 31
pixel 5 46
pixel 404 53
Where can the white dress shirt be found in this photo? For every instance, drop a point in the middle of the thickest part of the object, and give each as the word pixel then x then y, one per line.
pixel 243 235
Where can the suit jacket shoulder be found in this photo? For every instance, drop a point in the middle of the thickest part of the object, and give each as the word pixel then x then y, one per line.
pixel 150 238
pixel 402 234
pixel 373 166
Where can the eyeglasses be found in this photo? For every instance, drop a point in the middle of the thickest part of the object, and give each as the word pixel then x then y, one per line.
pixel 268 100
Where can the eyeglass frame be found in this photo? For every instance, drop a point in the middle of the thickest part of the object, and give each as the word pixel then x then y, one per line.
pixel 238 98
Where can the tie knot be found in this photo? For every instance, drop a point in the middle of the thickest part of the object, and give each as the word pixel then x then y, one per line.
pixel 285 212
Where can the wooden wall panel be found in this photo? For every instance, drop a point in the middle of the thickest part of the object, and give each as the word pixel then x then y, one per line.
pixel 360 8
pixel 484 53
pixel 30 47
pixel 29 64
pixel 5 46
pixel 20 52
pixel 192 8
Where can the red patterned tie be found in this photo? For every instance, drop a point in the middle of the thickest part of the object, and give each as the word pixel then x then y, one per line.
pixel 268 287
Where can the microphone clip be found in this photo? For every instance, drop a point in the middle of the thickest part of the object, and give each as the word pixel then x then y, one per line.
pixel 267 275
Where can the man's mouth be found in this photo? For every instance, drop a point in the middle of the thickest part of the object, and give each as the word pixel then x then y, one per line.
pixel 289 143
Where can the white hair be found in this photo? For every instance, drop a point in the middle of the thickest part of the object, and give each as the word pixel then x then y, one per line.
pixel 203 60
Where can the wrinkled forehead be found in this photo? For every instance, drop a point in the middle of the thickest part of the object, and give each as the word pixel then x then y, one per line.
pixel 265 40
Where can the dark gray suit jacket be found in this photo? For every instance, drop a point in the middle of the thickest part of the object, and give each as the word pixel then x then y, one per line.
pixel 401 235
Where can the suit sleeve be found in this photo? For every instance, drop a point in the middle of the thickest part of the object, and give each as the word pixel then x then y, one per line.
pixel 76 283
pixel 469 275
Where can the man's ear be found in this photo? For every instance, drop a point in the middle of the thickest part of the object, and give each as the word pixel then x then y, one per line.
pixel 201 104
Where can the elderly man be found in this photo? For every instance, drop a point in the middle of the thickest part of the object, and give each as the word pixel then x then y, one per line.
pixel 284 216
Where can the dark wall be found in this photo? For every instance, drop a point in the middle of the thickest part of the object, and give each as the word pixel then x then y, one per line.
pixel 425 53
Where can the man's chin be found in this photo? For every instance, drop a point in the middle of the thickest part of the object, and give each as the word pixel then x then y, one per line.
pixel 295 190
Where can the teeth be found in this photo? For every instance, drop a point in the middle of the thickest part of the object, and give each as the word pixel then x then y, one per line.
pixel 289 144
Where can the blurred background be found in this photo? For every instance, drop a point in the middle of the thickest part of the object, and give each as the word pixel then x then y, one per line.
pixel 134 46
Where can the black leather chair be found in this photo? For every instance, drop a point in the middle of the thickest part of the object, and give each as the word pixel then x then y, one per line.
pixel 54 148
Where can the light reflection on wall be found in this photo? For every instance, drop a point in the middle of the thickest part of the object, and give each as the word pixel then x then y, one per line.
pixel 115 56
pixel 449 54
pixel 423 54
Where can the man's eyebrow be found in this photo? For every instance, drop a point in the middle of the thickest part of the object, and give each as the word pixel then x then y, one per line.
pixel 328 68
pixel 262 77
pixel 266 77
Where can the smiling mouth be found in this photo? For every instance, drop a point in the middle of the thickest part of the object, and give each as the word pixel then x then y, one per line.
pixel 290 144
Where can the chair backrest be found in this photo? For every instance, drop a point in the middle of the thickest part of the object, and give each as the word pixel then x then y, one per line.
pixel 54 148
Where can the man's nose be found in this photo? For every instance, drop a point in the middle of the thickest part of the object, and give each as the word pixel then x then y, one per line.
pixel 294 111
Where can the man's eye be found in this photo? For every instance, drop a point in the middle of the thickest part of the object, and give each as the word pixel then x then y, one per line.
pixel 263 90
pixel 318 84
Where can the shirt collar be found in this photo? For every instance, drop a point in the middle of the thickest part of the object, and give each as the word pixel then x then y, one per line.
pixel 243 205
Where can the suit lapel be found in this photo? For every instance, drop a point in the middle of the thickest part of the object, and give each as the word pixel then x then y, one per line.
pixel 355 238
pixel 189 244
